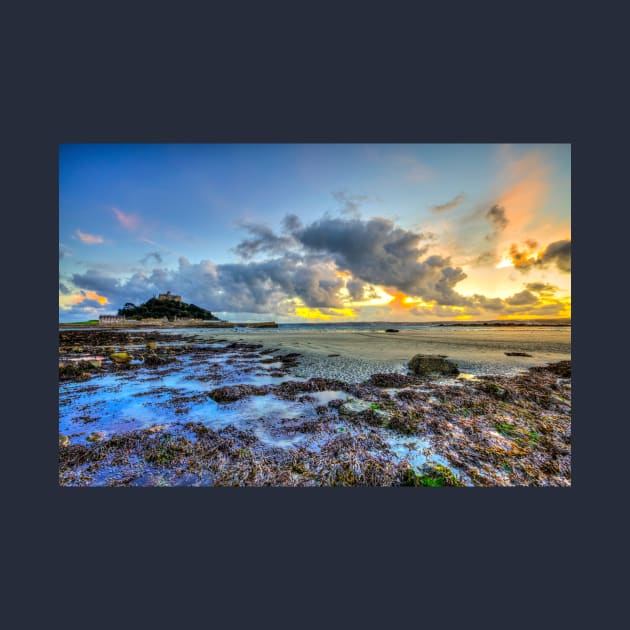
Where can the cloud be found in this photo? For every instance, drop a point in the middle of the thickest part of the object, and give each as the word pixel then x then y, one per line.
pixel 543 288
pixel 264 241
pixel 325 268
pixel 521 298
pixel 350 204
pixel 449 205
pixel 484 259
pixel 360 291
pixel 496 216
pixel 88 239
pixel 85 298
pixel 128 221
pixel 380 253
pixel 254 287
pixel 557 253
pixel 151 255
pixel 291 224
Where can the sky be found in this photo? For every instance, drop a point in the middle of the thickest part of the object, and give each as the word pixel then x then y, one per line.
pixel 318 232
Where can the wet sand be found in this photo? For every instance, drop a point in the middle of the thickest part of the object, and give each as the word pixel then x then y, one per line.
pixel 475 350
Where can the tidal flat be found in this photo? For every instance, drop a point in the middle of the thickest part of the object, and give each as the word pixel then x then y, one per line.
pixel 274 408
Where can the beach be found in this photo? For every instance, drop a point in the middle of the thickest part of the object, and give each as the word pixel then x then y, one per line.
pixel 476 350
pixel 318 406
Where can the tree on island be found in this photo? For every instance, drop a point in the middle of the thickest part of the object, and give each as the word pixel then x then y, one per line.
pixel 157 308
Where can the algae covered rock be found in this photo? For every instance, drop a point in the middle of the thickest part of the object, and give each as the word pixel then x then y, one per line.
pixel 152 345
pixel 120 357
pixel 425 364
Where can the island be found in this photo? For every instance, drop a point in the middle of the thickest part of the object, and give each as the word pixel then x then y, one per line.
pixel 165 310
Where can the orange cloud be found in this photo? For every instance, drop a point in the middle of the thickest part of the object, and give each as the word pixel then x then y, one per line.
pixel 88 239
pixel 128 221
pixel 88 295
pixel 401 303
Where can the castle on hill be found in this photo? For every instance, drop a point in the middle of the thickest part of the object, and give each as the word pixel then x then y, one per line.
pixel 169 296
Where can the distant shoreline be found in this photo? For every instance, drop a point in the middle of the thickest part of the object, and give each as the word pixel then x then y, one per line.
pixel 214 324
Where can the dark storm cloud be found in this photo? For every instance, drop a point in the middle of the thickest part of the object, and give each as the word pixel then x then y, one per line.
pixel 378 252
pixel 63 289
pixel 264 241
pixel 449 205
pixel 152 255
pixel 557 253
pixel 496 216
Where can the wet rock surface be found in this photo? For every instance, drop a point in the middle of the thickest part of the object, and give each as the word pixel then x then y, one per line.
pixel 189 411
pixel 427 364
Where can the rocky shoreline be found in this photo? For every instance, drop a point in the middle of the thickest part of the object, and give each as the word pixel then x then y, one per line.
pixel 221 412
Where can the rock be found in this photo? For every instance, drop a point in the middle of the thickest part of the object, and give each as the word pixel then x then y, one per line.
pixel 232 393
pixel 517 354
pixel 97 436
pixel 120 357
pixel 64 440
pixel 152 345
pixel 95 363
pixel 424 364
pixel 390 330
pixel 76 349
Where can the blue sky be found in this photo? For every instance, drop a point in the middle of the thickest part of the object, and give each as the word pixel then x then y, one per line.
pixel 134 216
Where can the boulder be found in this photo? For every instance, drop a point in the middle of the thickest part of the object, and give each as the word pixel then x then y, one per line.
pixel 391 330
pixel 425 364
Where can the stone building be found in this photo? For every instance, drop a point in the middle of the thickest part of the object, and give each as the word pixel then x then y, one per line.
pixel 169 296
pixel 111 320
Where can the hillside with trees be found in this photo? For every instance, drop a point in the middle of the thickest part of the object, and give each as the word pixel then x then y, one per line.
pixel 157 308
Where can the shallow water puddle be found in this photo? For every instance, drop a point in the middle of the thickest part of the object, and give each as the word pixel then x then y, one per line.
pixel 417 451
pixel 324 397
